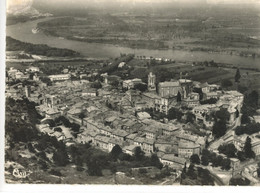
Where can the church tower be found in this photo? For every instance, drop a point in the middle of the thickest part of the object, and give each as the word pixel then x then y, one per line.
pixel 151 82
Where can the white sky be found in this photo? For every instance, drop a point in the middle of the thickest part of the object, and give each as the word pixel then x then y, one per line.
pixel 11 3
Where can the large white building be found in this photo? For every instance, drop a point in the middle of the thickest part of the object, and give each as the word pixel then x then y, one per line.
pixel 128 84
pixel 59 77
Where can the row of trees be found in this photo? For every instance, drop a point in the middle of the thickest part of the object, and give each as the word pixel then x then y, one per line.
pixel 196 176
pixel 248 129
pixel 97 160
pixel 38 49
pixel 249 107
pixel 215 160
pixel 221 118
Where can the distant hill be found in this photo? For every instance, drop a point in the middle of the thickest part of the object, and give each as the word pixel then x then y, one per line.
pixel 38 49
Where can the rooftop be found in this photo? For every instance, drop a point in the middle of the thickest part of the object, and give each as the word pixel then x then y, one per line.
pixel 169 84
pixel 173 158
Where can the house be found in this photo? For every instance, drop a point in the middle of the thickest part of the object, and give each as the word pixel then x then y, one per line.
pixel 128 84
pixel 185 150
pixel 133 95
pixel 91 124
pixel 83 138
pixel 89 92
pixel 165 146
pixel 91 134
pixel 130 138
pixel 138 141
pixel 74 112
pixel 111 78
pixel 119 134
pixel 234 163
pixel 112 142
pixel 186 87
pixel 34 69
pixel 212 95
pixel 102 142
pixel 172 161
pixel 110 120
pixel 132 128
pixel 169 89
pixel 203 112
pixel 181 137
pixel 170 130
pixel 129 149
pixel 59 77
pixel 143 115
pixel 149 98
pixel 148 145
pixel 107 131
pixel 192 100
pixel 204 87
pixel 52 113
pixel 121 64
pixel 164 104
pixel 151 132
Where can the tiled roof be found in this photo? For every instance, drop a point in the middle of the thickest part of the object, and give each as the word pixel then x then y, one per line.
pixel 173 158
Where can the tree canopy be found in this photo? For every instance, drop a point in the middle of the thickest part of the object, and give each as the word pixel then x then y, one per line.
pixel 195 159
pixel 237 76
pixel 249 153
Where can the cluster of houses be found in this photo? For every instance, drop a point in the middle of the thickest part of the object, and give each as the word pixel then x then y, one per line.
pixel 116 117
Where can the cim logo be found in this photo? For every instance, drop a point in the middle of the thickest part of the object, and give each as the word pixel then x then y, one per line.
pixel 20 174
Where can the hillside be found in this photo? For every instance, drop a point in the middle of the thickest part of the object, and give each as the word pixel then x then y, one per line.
pixel 38 49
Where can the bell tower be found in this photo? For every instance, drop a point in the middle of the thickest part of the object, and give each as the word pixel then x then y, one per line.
pixel 151 82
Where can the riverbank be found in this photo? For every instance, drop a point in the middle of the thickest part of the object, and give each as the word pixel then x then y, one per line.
pixel 101 50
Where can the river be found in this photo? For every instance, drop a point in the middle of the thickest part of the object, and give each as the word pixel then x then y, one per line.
pixel 23 32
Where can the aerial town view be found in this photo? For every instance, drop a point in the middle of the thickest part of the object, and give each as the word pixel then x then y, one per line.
pixel 155 92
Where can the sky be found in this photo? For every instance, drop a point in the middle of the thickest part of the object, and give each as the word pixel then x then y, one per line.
pixel 16 4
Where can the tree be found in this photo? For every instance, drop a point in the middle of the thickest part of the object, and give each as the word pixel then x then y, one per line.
pixel 225 165
pixel 239 181
pixel 219 128
pixel 191 171
pixel 82 116
pixel 258 169
pixel 228 149
pixel 222 114
pixel 248 148
pixel 237 76
pixel 183 173
pixel 179 97
pixel 75 127
pixel 94 168
pixel 204 160
pixel 96 85
pixel 114 83
pixel 253 98
pixel 217 161
pixel 174 114
pixel 195 159
pixel 141 87
pixel 61 157
pixel 156 162
pixel 190 117
pixel 226 83
pixel 138 153
pixel 241 156
pixel 116 151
